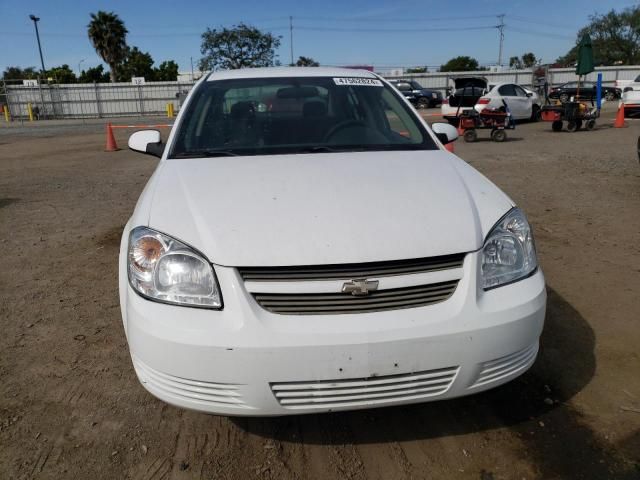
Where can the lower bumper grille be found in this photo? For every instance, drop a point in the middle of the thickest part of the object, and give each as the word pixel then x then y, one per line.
pixel 502 367
pixel 206 393
pixel 340 303
pixel 364 392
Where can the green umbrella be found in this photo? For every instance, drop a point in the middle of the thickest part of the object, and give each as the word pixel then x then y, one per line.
pixel 585 56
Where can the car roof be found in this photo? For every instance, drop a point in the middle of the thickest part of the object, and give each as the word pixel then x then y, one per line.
pixel 275 72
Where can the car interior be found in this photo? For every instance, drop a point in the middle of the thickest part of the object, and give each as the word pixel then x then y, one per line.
pixel 286 115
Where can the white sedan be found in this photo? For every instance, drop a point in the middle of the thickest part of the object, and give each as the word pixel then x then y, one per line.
pixel 522 103
pixel 306 244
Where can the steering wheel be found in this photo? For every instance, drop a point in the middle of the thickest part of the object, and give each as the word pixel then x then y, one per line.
pixel 350 123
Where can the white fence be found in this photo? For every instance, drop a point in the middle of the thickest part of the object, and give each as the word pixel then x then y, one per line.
pixel 557 76
pixel 125 99
pixel 92 100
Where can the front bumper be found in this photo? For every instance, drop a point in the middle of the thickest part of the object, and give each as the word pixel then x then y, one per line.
pixel 244 360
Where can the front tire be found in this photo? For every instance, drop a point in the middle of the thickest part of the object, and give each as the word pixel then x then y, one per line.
pixel 574 126
pixel 535 113
pixel 422 103
pixel 470 135
pixel 498 135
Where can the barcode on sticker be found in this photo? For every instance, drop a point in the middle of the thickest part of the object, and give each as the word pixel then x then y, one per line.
pixel 367 82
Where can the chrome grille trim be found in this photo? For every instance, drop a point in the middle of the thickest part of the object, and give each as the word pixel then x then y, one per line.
pixel 363 392
pixel 340 303
pixel 349 271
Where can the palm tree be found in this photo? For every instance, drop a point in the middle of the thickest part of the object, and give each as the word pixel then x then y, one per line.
pixel 108 36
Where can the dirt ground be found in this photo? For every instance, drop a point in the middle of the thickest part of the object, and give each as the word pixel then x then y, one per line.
pixel 71 406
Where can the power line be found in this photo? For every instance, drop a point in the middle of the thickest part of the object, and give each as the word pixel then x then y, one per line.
pixel 393 30
pixel 387 20
pixel 542 22
pixel 539 33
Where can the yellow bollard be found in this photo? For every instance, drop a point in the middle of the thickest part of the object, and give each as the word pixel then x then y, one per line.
pixel 6 113
pixel 30 110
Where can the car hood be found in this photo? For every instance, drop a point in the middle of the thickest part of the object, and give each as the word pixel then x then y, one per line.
pixel 324 208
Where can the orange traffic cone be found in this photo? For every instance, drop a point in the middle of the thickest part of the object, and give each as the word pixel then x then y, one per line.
pixel 111 141
pixel 619 123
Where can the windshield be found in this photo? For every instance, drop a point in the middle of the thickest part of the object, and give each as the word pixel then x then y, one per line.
pixel 263 116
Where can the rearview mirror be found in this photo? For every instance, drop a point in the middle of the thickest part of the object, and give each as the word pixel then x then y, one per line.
pixel 445 132
pixel 147 141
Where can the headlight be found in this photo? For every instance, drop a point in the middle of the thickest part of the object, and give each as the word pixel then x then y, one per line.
pixel 509 253
pixel 164 269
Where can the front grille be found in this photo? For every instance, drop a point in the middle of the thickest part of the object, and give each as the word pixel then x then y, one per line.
pixel 508 365
pixel 348 271
pixel 365 391
pixel 337 303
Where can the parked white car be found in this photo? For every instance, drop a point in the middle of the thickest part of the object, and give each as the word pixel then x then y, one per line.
pixel 631 100
pixel 306 244
pixel 523 104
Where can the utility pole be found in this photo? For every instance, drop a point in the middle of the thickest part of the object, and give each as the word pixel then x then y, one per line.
pixel 501 30
pixel 291 37
pixel 35 23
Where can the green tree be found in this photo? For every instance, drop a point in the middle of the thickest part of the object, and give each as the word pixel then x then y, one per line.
pixel 108 36
pixel 17 73
pixel 166 72
pixel 529 60
pixel 615 37
pixel 94 74
pixel 61 74
pixel 238 47
pixel 136 64
pixel 306 62
pixel 460 64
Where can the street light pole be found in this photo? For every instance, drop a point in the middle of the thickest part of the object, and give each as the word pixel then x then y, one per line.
pixel 35 23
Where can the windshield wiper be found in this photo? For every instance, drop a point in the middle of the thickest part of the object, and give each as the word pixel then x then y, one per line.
pixel 206 153
pixel 318 149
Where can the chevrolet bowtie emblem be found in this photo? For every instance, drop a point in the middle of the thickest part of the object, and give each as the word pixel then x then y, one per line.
pixel 360 288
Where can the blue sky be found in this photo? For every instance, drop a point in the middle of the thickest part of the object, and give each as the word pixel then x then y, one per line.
pixel 372 32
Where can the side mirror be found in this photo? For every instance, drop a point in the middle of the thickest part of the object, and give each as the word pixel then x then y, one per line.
pixel 147 141
pixel 445 132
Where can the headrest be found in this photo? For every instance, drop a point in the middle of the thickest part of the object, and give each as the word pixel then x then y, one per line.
pixel 314 109
pixel 243 110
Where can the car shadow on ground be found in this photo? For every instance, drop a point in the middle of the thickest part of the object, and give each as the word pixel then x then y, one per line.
pixel 487 138
pixel 565 447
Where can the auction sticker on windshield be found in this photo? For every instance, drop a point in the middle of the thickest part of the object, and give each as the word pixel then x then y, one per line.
pixel 368 82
